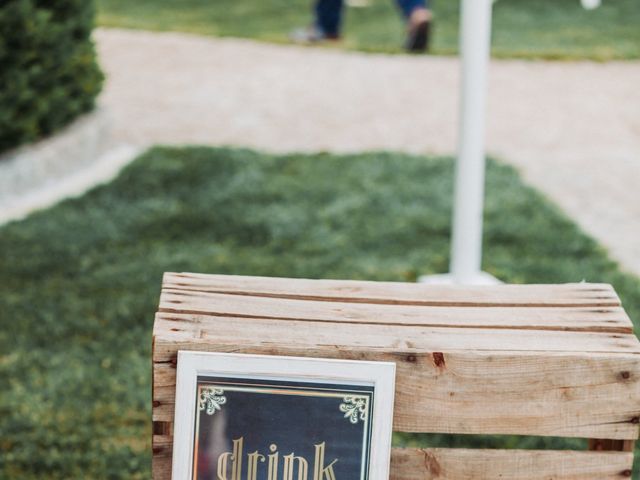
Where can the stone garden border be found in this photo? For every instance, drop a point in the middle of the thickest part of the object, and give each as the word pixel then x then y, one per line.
pixel 64 165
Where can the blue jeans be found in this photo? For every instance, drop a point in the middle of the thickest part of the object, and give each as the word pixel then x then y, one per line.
pixel 329 13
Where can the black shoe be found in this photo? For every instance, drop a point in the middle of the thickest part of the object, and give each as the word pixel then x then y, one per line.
pixel 418 37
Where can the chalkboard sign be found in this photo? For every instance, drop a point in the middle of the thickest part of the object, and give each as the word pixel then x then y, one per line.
pixel 253 417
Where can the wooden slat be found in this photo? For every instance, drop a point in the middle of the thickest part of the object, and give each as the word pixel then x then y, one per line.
pixel 450 407
pixel 162 451
pixel 245 331
pixel 466 464
pixel 445 381
pixel 593 319
pixel 578 294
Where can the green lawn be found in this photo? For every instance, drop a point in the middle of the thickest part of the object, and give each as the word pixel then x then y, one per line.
pixel 80 282
pixel 552 29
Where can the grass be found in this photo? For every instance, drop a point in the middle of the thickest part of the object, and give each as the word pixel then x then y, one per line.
pixel 549 29
pixel 80 281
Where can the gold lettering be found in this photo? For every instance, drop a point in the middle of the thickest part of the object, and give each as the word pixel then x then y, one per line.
pixel 289 462
pixel 234 462
pixel 319 470
pixel 222 465
pixel 236 469
pixel 252 465
pixel 273 462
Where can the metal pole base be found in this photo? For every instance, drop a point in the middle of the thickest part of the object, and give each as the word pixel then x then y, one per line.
pixel 479 278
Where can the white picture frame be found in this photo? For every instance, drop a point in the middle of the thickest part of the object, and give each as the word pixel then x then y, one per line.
pixel 191 399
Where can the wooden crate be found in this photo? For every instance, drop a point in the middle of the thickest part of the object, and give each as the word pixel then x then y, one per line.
pixel 544 360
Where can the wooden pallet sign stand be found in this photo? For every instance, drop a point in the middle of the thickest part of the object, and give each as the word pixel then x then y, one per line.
pixel 542 360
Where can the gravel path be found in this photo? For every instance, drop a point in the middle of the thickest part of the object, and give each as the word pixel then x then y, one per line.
pixel 573 129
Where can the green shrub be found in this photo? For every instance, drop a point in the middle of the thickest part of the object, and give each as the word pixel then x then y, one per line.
pixel 48 69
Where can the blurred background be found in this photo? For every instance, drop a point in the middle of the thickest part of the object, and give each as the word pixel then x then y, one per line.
pixel 191 135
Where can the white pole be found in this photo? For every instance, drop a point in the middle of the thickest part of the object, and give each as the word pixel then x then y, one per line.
pixel 475 41
pixel 590 4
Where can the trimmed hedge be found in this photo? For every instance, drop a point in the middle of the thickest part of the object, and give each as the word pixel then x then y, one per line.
pixel 48 69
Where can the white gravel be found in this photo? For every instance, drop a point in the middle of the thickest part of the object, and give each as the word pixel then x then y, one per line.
pixel 573 129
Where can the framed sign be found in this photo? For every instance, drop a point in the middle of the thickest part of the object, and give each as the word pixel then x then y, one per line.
pixel 255 417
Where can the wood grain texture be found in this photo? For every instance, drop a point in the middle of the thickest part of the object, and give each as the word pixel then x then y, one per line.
pixel 558 394
pixel 249 331
pixel 593 319
pixel 465 464
pixel 474 464
pixel 574 294
pixel 550 360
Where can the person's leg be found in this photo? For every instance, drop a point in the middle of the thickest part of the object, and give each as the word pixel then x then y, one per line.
pixel 326 25
pixel 418 16
pixel 409 6
pixel 329 16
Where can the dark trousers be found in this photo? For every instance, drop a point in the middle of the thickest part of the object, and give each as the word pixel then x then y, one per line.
pixel 329 13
